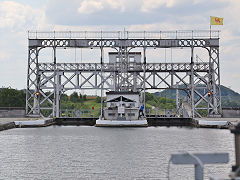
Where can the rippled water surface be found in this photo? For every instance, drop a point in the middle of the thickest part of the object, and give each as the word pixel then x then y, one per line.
pixel 79 152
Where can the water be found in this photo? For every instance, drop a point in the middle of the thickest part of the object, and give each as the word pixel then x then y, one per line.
pixel 68 152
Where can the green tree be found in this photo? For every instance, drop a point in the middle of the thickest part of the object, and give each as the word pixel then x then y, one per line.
pixel 74 97
pixel 12 98
pixel 64 97
pixel 84 97
pixel 98 99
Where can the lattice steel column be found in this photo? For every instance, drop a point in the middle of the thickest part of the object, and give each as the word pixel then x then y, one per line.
pixel 214 81
pixel 123 75
pixel 102 83
pixel 144 80
pixel 58 91
pixel 47 92
pixel 192 85
pixel 32 99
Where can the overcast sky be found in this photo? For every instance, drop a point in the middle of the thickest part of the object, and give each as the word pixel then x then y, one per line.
pixel 19 16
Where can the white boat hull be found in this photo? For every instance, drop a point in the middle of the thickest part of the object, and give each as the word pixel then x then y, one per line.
pixel 117 123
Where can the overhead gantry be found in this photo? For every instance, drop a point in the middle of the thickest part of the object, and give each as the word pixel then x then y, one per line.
pixel 46 81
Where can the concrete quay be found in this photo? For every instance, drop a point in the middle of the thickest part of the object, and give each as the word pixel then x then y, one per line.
pixel 162 121
pixel 9 123
pixel 152 121
pixel 215 122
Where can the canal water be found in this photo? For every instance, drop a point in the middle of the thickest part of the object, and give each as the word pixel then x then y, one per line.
pixel 84 152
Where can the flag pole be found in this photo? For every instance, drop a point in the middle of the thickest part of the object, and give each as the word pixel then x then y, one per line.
pixel 210 28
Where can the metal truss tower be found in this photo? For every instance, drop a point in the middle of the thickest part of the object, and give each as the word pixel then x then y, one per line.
pixel 46 82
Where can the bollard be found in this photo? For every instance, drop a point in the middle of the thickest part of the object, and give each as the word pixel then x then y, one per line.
pixel 236 132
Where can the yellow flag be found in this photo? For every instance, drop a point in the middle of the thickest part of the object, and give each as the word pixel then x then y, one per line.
pixel 216 20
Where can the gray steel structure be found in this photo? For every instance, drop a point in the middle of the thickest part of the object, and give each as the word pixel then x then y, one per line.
pixel 52 79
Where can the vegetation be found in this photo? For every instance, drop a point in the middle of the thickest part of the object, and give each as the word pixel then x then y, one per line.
pixel 155 103
pixel 12 98
pixel 159 100
pixel 88 107
pixel 229 97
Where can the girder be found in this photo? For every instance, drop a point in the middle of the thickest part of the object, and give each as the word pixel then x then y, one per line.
pixel 113 43
pixel 132 67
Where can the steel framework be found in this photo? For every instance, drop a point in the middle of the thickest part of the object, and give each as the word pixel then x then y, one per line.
pixel 47 81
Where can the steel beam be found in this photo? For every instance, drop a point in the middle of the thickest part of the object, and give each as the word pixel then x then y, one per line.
pixel 113 43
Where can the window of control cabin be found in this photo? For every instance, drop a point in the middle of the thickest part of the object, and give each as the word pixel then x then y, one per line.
pixel 131 59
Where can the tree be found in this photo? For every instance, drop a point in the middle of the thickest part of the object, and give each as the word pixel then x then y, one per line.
pixel 12 98
pixel 74 97
pixel 98 99
pixel 64 97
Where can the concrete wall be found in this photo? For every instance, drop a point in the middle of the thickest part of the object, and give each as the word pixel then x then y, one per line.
pixel 231 112
pixel 12 112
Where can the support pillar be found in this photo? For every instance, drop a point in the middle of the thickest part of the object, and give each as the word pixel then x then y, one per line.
pixel 32 99
pixel 214 82
pixel 192 84
pixel 55 85
pixel 58 95
pixel 102 84
pixel 144 83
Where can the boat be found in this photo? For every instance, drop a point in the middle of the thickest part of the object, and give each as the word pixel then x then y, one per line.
pixel 123 109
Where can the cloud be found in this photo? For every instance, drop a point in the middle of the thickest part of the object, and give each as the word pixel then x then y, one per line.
pixel 93 6
pixel 16 16
pixel 15 20
pixel 123 12
pixel 148 6
pixel 151 15
pixel 90 6
pixel 4 55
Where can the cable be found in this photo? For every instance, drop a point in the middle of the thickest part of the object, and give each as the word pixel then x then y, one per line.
pixel 75 55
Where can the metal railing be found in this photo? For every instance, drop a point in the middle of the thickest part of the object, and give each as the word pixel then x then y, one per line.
pixel 182 34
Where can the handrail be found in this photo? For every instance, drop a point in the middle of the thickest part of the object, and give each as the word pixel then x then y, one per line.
pixel 181 34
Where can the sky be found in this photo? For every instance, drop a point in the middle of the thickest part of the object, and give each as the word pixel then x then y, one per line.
pixel 19 16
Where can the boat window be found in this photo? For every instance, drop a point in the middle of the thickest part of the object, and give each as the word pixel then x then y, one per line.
pixel 131 59
pixel 131 114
